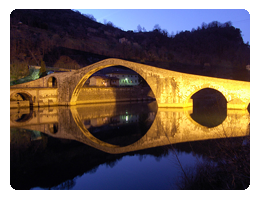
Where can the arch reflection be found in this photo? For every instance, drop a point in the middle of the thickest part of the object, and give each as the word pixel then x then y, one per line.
pixel 126 126
pixel 120 124
pixel 163 126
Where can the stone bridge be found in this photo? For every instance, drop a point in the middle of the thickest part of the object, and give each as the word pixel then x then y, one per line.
pixel 170 88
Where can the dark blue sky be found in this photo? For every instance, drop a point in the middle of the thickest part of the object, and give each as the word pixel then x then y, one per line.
pixel 173 20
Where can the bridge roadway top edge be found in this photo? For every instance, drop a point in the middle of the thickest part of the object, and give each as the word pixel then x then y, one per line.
pixel 170 73
pixel 116 61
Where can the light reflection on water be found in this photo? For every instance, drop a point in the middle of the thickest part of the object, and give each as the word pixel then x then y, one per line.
pixel 140 157
pixel 133 173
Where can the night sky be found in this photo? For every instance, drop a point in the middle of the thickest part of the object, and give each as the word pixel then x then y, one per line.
pixel 172 20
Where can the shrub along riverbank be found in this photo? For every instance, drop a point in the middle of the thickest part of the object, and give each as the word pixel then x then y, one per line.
pixel 226 165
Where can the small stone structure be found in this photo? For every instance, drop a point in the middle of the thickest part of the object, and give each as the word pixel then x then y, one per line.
pixel 125 78
pixel 103 81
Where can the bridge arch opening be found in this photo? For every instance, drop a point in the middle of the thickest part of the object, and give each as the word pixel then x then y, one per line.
pixel 209 107
pixel 122 83
pixel 52 82
pixel 23 99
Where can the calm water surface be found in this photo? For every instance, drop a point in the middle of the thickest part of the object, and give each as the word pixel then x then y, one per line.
pixel 114 146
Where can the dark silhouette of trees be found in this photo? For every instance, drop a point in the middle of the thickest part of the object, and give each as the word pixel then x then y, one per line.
pixel 35 33
pixel 42 71
pixel 157 28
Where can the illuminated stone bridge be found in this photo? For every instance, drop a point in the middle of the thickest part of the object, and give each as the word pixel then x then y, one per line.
pixel 170 88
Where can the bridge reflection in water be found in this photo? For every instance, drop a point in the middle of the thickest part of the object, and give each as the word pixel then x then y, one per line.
pixel 90 124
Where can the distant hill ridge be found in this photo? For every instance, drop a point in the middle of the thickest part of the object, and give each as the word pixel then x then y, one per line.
pixel 69 39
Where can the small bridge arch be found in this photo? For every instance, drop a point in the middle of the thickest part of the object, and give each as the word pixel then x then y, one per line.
pixel 236 93
pixel 52 82
pixel 21 96
pixel 207 86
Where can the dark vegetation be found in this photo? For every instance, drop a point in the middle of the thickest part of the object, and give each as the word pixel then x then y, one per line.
pixel 73 40
pixel 226 164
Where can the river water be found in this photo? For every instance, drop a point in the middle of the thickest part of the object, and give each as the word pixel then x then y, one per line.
pixel 118 146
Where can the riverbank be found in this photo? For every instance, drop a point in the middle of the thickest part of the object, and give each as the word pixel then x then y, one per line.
pixel 225 165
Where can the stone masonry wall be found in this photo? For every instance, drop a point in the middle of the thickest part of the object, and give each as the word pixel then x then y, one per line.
pixel 113 94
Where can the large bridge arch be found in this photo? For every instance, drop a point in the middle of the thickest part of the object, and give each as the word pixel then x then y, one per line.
pixel 86 72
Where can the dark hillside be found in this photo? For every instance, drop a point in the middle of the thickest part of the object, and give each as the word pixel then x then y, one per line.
pixel 62 57
pixel 69 39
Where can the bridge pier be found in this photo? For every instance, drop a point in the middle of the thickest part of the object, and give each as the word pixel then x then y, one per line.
pixel 175 105
pixel 237 104
pixel 165 104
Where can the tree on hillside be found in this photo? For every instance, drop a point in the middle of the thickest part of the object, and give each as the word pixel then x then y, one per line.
pixel 165 32
pixel 42 71
pixel 157 28
pixel 90 17
pixel 139 28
